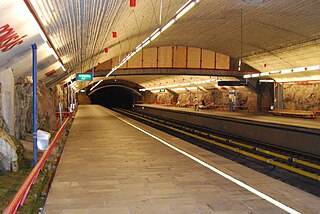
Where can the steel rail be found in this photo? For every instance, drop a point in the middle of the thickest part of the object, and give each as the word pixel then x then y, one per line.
pixel 235 149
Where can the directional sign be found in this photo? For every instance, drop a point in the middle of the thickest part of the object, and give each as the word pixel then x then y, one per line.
pixel 84 77
pixel 162 90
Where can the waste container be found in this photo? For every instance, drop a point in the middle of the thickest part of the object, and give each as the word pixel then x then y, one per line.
pixel 43 139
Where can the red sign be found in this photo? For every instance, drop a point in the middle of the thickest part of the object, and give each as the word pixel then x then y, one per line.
pixel 9 38
pixel 51 72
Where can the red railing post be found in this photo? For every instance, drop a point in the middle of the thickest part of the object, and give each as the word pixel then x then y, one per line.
pixel 25 187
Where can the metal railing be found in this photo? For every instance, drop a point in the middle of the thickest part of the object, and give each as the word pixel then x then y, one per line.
pixel 22 193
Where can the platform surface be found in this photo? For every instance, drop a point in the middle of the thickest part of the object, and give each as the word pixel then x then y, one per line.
pixel 108 166
pixel 259 117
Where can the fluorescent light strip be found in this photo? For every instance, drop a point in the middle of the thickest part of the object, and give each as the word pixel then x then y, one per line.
pixel 284 71
pixel 219 172
pixel 177 85
pixel 96 85
pixel 184 9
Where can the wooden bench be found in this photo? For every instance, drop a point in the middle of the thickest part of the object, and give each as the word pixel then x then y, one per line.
pixel 295 113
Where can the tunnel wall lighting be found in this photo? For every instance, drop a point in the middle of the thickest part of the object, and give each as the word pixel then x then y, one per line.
pixel 178 85
pixel 284 71
pixel 96 85
pixel 183 10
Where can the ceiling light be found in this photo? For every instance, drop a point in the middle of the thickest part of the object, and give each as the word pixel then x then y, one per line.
pixel 264 74
pixel 168 25
pixel 286 71
pixel 275 72
pixel 255 75
pixel 312 68
pixel 184 9
pixel 299 69
pixel 96 85
pixel 266 80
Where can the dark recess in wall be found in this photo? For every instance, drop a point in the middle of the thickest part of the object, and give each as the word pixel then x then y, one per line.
pixel 113 97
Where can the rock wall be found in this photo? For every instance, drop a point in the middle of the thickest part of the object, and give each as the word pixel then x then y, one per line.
pixel 11 153
pixel 83 99
pixel 212 97
pixel 48 100
pixel 302 97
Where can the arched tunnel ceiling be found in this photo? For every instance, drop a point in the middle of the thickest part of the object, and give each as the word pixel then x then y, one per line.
pixel 281 34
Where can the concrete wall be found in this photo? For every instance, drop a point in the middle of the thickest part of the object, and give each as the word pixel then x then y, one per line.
pixel 7 99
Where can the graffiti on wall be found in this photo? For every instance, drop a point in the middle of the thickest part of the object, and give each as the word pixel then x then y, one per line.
pixel 9 38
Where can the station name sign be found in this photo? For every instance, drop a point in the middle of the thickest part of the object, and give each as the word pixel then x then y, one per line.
pixel 84 77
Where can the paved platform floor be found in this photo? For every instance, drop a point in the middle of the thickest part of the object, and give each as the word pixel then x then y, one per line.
pixel 260 117
pixel 108 166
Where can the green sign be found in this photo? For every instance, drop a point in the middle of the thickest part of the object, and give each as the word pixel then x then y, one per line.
pixel 84 77
pixel 162 90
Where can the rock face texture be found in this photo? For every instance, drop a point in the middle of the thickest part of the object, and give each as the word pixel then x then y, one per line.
pixel 302 97
pixel 47 105
pixel 11 153
pixel 212 97
pixel 83 99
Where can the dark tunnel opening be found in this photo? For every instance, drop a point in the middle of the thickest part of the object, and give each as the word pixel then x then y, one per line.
pixel 113 97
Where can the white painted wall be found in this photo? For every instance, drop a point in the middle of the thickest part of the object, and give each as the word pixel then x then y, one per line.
pixel 7 94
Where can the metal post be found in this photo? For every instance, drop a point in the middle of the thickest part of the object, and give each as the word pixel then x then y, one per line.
pixel 34 103
pixel 60 113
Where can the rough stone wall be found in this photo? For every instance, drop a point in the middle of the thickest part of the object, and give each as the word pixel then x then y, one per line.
pixel 148 97
pixel 47 105
pixel 83 99
pixel 302 97
pixel 11 153
pixel 213 97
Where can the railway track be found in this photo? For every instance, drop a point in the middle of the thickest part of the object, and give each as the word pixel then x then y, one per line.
pixel 300 164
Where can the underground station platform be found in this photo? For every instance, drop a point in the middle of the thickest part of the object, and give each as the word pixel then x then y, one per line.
pixel 114 164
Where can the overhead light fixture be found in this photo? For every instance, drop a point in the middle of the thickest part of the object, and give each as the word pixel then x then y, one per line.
pixel 166 26
pixel 177 85
pixel 255 75
pixel 264 74
pixel 266 81
pixel 189 5
pixel 183 10
pixel 284 71
pixel 96 85
pixel 155 35
pixel 299 69
pixel 312 68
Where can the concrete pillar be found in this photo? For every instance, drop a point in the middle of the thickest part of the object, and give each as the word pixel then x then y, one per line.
pixel 278 96
pixel 7 96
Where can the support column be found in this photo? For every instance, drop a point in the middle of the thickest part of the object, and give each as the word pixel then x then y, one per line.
pixel 278 96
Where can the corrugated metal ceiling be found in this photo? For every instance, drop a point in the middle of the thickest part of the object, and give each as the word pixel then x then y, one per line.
pixel 281 34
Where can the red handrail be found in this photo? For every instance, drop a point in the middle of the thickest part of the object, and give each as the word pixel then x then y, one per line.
pixel 32 177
